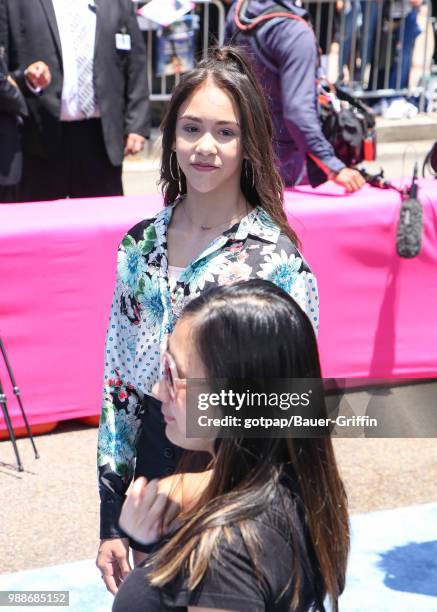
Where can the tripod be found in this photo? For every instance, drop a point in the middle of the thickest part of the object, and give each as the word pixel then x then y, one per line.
pixel 6 413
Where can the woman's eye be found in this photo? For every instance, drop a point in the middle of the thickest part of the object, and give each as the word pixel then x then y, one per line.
pixel 226 132
pixel 191 129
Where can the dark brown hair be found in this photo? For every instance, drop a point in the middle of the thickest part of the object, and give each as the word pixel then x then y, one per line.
pixel 260 182
pixel 252 331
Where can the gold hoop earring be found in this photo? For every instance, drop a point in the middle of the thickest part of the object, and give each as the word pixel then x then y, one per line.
pixel 246 165
pixel 178 179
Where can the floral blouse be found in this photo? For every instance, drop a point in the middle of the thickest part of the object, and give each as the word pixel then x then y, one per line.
pixel 144 310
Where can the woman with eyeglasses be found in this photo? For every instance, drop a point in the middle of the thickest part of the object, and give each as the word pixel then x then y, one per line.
pixel 267 528
pixel 223 221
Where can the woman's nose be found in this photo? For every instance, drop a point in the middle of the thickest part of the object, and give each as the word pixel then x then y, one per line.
pixel 206 145
pixel 159 390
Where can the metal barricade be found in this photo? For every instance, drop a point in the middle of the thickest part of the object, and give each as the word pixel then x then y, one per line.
pixel 379 48
pixel 161 87
pixel 373 46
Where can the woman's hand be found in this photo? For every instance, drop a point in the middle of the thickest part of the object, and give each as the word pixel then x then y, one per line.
pixel 113 562
pixel 350 179
pixel 148 510
pixel 151 507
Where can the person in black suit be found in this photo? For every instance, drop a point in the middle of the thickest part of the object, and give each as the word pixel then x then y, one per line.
pixel 96 109
pixel 12 110
pixel 12 107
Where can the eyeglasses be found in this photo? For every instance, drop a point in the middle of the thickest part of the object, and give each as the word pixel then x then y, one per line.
pixel 170 375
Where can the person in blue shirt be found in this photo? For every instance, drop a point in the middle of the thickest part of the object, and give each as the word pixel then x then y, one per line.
pixel 223 222
pixel 284 56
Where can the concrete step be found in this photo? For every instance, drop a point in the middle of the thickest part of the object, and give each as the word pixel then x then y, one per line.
pixel 421 127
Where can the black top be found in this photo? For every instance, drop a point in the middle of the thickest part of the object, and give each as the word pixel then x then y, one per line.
pixel 230 582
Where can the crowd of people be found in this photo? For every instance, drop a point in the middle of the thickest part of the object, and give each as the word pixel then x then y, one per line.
pixel 368 46
pixel 79 72
pixel 376 41
pixel 81 69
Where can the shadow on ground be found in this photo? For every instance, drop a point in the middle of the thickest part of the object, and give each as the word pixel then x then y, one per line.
pixel 411 568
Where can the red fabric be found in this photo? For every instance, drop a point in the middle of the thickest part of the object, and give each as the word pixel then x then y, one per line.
pixel 57 272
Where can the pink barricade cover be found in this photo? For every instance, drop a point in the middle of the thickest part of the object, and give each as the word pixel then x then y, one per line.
pixel 57 273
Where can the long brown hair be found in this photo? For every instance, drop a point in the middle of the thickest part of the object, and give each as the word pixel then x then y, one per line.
pixel 254 330
pixel 260 181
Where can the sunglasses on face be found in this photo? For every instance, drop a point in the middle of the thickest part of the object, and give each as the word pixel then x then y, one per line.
pixel 170 375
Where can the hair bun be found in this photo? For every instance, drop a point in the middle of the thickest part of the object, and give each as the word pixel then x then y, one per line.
pixel 219 54
pixel 230 55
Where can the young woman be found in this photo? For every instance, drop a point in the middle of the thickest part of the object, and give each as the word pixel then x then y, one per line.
pixel 269 531
pixel 223 221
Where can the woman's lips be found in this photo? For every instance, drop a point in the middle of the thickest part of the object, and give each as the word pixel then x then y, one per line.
pixel 167 418
pixel 204 167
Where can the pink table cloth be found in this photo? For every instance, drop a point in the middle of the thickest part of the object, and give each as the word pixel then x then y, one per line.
pixel 57 272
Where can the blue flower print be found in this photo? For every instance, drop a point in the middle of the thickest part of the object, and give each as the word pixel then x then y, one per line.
pixel 131 341
pixel 131 263
pixel 281 269
pixel 117 440
pixel 199 274
pixel 149 298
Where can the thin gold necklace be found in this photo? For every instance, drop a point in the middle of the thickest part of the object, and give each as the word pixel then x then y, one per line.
pixel 207 228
